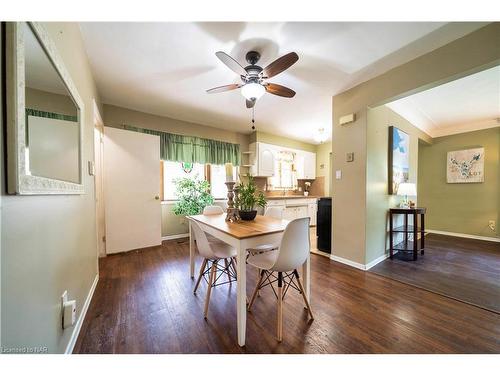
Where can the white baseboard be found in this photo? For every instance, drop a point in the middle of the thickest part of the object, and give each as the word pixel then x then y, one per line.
pixel 378 260
pixel 78 325
pixel 364 267
pixel 175 236
pixel 463 235
pixel 348 262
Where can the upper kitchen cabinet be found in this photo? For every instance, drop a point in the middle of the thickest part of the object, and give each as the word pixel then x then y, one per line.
pixel 309 165
pixel 306 165
pixel 263 159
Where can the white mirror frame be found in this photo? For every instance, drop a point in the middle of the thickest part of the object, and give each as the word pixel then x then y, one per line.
pixel 18 180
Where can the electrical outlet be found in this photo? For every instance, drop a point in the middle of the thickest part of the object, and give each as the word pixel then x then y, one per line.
pixel 492 225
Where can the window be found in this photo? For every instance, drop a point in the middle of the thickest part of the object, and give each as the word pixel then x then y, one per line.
pixel 173 170
pixel 286 176
pixel 215 174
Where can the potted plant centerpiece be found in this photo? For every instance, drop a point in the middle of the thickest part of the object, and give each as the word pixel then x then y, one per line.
pixel 248 198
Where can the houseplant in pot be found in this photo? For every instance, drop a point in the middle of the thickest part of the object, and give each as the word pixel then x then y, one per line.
pixel 193 195
pixel 248 198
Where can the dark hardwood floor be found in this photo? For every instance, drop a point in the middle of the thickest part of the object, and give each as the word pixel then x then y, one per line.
pixel 144 303
pixel 461 268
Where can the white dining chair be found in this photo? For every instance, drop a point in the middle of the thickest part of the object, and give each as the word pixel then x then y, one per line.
pixel 212 254
pixel 213 210
pixel 276 212
pixel 291 253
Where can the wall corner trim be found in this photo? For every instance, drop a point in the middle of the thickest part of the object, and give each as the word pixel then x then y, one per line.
pixel 363 267
pixel 81 318
pixel 464 235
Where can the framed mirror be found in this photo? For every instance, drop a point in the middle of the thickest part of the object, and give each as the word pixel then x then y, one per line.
pixel 44 116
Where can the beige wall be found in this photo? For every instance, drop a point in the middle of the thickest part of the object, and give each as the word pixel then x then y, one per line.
pixel 378 200
pixel 471 53
pixel 50 102
pixel 272 139
pixel 48 243
pixel 460 208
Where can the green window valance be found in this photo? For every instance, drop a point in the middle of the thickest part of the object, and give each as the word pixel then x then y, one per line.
pixel 56 116
pixel 182 148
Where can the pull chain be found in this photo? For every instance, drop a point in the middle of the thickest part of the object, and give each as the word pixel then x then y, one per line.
pixel 253 117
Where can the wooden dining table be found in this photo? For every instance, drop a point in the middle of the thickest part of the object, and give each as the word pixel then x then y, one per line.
pixel 243 235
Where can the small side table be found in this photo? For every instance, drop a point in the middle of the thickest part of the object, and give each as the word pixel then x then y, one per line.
pixel 415 229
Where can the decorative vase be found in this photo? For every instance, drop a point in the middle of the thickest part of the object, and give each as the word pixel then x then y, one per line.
pixel 248 215
pixel 306 193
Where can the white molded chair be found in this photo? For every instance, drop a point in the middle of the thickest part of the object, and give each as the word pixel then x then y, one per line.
pixel 276 212
pixel 213 210
pixel 292 252
pixel 212 253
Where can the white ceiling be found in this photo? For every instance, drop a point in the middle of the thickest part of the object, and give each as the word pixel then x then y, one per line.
pixel 466 104
pixel 165 68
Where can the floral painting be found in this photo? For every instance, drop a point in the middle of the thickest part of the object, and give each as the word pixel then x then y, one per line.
pixel 465 166
pixel 399 158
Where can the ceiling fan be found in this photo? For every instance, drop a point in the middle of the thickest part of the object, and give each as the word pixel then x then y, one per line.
pixel 253 76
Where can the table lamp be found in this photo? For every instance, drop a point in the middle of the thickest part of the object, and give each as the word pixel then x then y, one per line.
pixel 405 189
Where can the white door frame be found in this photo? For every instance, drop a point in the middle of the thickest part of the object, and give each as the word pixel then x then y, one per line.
pixel 99 182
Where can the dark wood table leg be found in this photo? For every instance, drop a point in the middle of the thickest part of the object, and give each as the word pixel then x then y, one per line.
pixel 422 233
pixel 406 230
pixel 415 238
pixel 391 244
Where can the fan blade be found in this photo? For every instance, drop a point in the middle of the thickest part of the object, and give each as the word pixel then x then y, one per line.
pixel 280 64
pixel 215 90
pixel 250 103
pixel 231 63
pixel 279 90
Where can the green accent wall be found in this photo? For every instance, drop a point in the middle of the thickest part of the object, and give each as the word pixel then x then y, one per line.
pixel 278 140
pixel 460 208
pixel 378 200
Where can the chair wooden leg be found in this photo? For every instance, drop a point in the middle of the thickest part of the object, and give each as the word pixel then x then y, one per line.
pixel 233 264
pixel 256 290
pixel 211 280
pixel 258 275
pixel 202 270
pixel 303 294
pixel 280 307
pixel 227 264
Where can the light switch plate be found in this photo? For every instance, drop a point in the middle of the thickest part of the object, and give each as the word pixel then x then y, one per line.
pixel 91 168
pixel 338 174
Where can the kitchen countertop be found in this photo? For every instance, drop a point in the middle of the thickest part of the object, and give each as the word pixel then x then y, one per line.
pixel 292 197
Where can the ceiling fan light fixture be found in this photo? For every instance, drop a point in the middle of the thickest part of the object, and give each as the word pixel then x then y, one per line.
pixel 253 91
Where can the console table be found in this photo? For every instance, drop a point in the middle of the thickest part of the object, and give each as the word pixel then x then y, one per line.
pixel 406 245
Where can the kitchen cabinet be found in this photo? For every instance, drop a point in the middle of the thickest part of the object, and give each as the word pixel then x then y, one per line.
pixel 306 165
pixel 263 159
pixel 263 162
pixel 309 166
pixel 312 209
pixel 295 208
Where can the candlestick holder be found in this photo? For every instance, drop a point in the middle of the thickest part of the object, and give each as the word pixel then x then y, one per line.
pixel 232 212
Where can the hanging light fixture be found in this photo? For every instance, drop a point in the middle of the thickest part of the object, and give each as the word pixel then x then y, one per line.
pixel 321 136
pixel 252 91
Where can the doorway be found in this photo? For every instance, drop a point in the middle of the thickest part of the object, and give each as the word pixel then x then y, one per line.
pixel 99 181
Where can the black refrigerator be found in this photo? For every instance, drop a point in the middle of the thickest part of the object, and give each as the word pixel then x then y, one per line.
pixel 324 224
